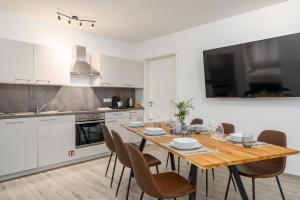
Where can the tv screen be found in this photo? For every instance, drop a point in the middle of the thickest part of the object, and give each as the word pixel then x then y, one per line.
pixel 265 68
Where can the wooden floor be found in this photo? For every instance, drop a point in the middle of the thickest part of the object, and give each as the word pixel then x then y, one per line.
pixel 86 181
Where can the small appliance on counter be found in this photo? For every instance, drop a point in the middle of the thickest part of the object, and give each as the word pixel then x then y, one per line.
pixel 114 102
pixel 129 102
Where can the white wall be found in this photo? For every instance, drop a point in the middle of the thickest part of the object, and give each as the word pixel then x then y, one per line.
pixel 55 34
pixel 251 115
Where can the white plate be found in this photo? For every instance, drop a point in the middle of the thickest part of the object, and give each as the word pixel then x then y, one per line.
pixel 136 124
pixel 154 134
pixel 154 130
pixel 185 142
pixel 196 146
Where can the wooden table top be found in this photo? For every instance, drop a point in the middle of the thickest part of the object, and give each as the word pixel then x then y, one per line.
pixel 227 154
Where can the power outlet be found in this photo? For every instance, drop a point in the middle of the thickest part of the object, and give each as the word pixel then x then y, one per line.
pixel 107 100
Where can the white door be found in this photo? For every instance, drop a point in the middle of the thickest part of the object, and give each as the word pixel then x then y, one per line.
pixel 161 88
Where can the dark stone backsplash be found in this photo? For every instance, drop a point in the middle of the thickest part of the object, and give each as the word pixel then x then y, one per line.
pixel 25 98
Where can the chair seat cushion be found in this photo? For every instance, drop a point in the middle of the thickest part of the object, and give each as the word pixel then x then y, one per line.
pixel 173 185
pixel 260 169
pixel 151 160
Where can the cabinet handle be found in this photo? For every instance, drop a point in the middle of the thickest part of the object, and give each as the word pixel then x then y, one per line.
pixel 112 121
pixel 22 79
pixel 106 83
pixel 45 81
pixel 10 123
pixel 130 85
pixel 47 120
pixel 118 114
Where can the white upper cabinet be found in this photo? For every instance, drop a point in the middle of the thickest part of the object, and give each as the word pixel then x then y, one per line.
pixel 119 72
pixel 110 70
pixel 51 65
pixel 16 61
pixel 133 73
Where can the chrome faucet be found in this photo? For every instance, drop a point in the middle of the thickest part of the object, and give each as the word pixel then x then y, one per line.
pixel 39 109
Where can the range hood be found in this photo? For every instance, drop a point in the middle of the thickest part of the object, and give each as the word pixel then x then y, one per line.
pixel 80 66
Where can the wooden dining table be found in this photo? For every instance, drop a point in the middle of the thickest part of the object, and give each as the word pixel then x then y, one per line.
pixel 219 153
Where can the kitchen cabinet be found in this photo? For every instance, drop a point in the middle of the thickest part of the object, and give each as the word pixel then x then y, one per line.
pixel 133 73
pixel 16 61
pixel 135 115
pixel 118 72
pixel 56 136
pixel 113 120
pixel 18 145
pixel 51 65
pixel 111 71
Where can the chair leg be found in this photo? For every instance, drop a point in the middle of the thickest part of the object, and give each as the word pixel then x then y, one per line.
pixel 120 181
pixel 280 188
pixel 128 187
pixel 142 195
pixel 213 173
pixel 157 171
pixel 178 164
pixel 206 185
pixel 167 160
pixel 111 154
pixel 233 182
pixel 228 184
pixel 113 174
pixel 253 188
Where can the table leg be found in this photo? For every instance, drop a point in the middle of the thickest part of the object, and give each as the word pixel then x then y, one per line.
pixel 238 181
pixel 172 160
pixel 193 179
pixel 142 145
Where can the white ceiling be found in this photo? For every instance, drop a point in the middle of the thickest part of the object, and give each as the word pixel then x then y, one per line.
pixel 135 20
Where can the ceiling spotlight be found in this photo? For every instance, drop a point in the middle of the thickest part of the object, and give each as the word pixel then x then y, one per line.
pixel 69 21
pixel 75 19
pixel 80 24
pixel 58 17
pixel 92 26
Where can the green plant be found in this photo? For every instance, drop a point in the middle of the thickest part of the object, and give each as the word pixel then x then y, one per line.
pixel 183 109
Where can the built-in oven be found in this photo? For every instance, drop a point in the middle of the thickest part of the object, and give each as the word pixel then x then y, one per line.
pixel 88 129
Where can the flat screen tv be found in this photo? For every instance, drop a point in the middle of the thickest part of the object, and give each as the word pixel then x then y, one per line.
pixel 265 68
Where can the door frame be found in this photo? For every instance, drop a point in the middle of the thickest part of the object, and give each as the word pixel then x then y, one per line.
pixel 146 79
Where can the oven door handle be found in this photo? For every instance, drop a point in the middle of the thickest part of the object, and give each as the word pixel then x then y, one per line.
pixel 91 122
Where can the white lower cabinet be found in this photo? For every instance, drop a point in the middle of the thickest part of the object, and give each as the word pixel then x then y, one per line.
pixel 136 115
pixel 114 120
pixel 18 145
pixel 115 124
pixel 56 139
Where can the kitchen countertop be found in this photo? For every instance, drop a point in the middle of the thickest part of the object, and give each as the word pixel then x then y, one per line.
pixel 10 116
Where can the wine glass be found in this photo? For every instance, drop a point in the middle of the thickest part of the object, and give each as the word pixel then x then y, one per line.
pixel 217 134
pixel 213 124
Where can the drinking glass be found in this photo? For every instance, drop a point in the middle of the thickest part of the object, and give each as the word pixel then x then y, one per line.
pixel 247 140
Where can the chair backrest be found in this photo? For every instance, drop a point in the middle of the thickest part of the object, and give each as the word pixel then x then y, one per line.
pixel 228 128
pixel 142 173
pixel 196 121
pixel 121 149
pixel 276 138
pixel 108 138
